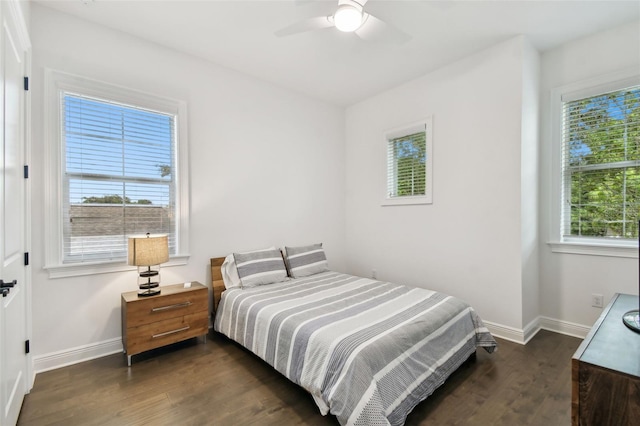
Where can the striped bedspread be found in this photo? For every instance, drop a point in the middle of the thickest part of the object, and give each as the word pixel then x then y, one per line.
pixel 367 351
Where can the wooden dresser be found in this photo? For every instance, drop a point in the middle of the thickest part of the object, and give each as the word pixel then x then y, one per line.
pixel 605 370
pixel 176 314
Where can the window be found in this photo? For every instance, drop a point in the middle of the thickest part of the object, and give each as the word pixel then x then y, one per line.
pixel 599 134
pixel 409 164
pixel 601 168
pixel 119 155
pixel 118 177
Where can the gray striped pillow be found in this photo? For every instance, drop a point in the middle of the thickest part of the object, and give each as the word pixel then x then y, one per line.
pixel 306 260
pixel 260 267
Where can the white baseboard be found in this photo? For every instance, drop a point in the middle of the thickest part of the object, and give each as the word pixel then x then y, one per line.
pixel 506 332
pixel 540 323
pixel 59 359
pixel 564 327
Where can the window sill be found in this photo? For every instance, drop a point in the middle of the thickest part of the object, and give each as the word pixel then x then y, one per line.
pixel 406 201
pixel 594 249
pixel 77 270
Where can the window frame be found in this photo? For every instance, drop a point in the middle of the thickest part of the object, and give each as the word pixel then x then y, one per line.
pixel 579 90
pixel 57 82
pixel 425 125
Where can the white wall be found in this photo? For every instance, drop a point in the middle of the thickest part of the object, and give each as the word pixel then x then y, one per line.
pixel 529 185
pixel 267 168
pixel 568 280
pixel 468 242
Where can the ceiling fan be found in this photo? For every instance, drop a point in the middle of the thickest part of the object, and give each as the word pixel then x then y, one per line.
pixel 350 16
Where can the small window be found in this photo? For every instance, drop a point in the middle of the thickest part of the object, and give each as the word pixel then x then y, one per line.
pixel 409 164
pixel 601 166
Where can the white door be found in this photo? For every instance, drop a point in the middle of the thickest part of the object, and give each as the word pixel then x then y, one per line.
pixel 13 300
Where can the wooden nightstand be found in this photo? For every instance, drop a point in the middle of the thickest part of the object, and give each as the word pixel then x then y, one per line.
pixel 177 313
pixel 605 372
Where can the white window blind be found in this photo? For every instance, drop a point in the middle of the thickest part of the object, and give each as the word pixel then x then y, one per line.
pixel 406 165
pixel 601 166
pixel 118 176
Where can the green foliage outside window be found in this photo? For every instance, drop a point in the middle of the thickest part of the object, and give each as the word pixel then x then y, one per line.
pixel 113 199
pixel 602 164
pixel 409 165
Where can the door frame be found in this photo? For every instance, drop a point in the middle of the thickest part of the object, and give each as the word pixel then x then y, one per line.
pixel 23 42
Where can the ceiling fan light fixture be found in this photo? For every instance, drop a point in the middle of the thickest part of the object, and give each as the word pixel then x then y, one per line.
pixel 347 18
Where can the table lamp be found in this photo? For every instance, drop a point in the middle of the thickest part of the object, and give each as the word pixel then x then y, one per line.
pixel 147 252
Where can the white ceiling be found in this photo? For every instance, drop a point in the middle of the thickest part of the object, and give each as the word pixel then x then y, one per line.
pixel 341 68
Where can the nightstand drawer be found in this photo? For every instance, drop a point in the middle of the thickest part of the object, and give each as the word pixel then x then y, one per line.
pixel 161 308
pixel 179 312
pixel 160 333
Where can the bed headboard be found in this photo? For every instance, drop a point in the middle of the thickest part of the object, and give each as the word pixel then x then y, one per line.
pixel 216 280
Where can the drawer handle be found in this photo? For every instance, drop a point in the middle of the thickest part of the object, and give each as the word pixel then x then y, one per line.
pixel 176 306
pixel 166 333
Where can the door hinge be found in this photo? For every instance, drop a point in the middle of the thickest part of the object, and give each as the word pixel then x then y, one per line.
pixel 26 171
pixel 26 83
pixel 27 347
pixel 26 259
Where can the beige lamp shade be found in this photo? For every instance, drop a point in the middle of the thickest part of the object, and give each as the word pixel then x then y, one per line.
pixel 147 250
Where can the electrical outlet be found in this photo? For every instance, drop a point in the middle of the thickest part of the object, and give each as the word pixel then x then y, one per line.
pixel 596 300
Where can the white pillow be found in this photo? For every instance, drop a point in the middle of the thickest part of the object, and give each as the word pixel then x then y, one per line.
pixel 229 270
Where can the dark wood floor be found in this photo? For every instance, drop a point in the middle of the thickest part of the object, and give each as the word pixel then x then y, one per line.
pixel 220 383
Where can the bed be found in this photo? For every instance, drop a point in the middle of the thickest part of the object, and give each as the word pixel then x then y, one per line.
pixel 367 351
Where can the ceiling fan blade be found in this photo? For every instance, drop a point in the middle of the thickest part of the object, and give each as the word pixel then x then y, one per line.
pixel 376 30
pixel 311 24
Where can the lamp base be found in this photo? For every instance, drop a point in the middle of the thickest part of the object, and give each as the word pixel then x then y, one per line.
pixel 149 285
pixel 146 286
pixel 146 292
pixel 632 320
